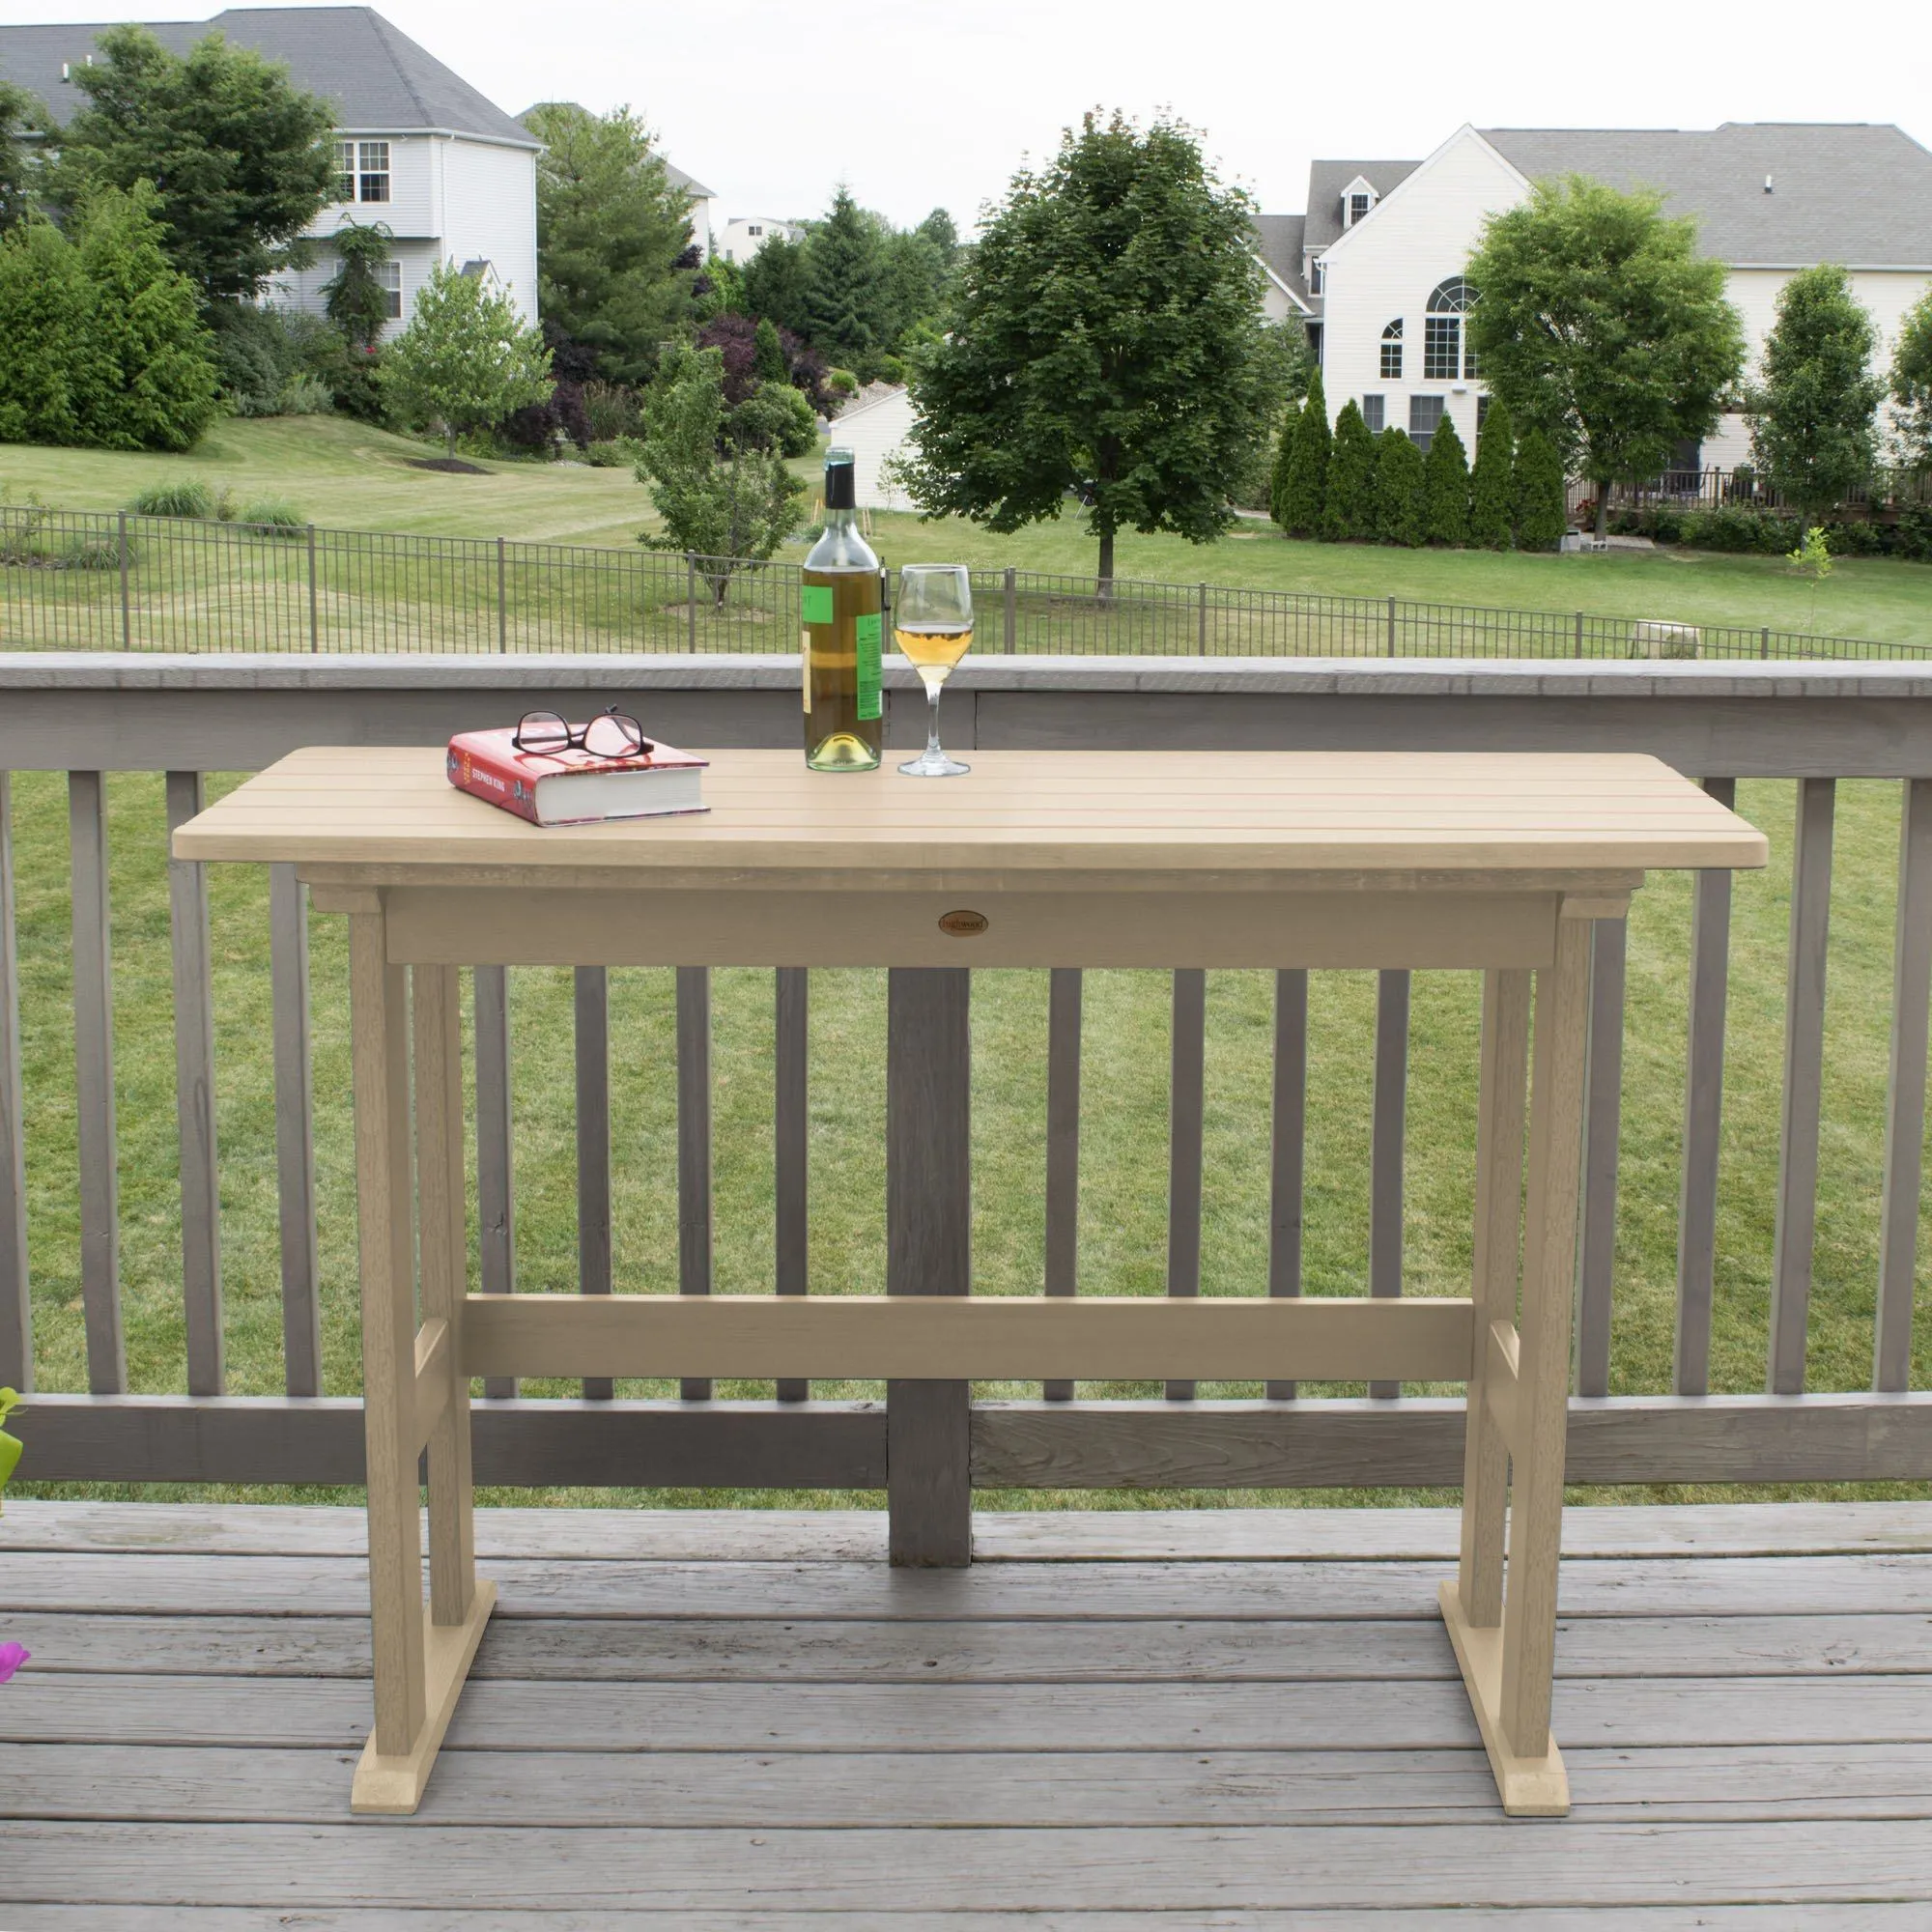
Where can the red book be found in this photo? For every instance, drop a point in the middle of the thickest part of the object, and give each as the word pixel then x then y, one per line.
pixel 572 787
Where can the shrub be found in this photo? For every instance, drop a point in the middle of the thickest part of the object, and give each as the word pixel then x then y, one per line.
pixel 776 417
pixel 1489 518
pixel 610 454
pixel 43 310
pixel 1541 515
pixel 305 395
pixel 1445 488
pixel 1304 482
pixel 180 497
pixel 273 516
pixel 610 410
pixel 842 382
pixel 1398 483
pixel 1349 512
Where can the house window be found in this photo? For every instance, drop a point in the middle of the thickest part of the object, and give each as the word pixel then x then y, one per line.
pixel 1315 277
pixel 389 278
pixel 1481 412
pixel 1424 413
pixel 1373 413
pixel 1392 352
pixel 344 171
pixel 1358 206
pixel 1442 358
pixel 753 230
pixel 372 174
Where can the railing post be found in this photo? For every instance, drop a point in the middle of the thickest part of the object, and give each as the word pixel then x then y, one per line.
pixel 502 603
pixel 1764 643
pixel 1202 627
pixel 593 1145
pixel 17 1321
pixel 314 613
pixel 295 1131
pixel 127 610
pixel 1065 987
pixel 691 603
pixel 1579 634
pixel 693 1146
pixel 928 1250
pixel 1187 1087
pixel 496 1180
pixel 1905 1096
pixel 1013 607
pixel 1290 1143
pixel 791 1145
pixel 1601 1125
pixel 1388 1132
pixel 1391 626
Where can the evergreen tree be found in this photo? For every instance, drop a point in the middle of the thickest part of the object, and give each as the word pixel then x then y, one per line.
pixel 845 283
pixel 354 297
pixel 44 317
pixel 1284 461
pixel 149 378
pixel 1399 484
pixel 1492 483
pixel 1348 514
pixel 1445 488
pixel 772 284
pixel 1911 382
pixel 768 360
pixel 1813 417
pixel 1541 512
pixel 1306 485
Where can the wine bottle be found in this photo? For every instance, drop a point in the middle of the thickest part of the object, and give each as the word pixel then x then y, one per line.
pixel 843 643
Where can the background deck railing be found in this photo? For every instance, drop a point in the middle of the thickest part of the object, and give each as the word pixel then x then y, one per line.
pixel 1711 488
pixel 91 717
pixel 96 581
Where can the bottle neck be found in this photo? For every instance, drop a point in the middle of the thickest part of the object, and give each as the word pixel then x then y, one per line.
pixel 841 520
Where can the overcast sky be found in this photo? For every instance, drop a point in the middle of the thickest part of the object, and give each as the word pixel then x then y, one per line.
pixel 923 103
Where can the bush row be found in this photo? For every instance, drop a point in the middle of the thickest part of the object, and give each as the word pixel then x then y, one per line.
pixel 1735 529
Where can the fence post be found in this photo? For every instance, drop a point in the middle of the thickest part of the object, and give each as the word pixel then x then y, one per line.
pixel 691 603
pixel 502 603
pixel 314 619
pixel 127 618
pixel 1391 628
pixel 1012 608
pixel 1203 620
pixel 1764 643
pixel 1579 634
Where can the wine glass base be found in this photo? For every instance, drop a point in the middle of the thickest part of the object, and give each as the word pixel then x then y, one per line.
pixel 934 765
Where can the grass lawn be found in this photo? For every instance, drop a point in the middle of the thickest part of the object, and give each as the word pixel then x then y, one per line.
pixel 1125 1122
pixel 344 474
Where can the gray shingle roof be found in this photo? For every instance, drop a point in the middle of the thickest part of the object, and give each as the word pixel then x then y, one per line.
pixel 378 77
pixel 1328 179
pixel 1858 193
pixel 1278 239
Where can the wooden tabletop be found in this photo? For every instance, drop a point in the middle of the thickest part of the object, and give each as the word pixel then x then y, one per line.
pixel 1030 812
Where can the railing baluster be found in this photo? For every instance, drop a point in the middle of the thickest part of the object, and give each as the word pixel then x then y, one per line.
pixel 93 1086
pixel 693 1146
pixel 593 1145
pixel 194 1099
pixel 496 1168
pixel 790 1145
pixel 1804 1073
pixel 1703 1118
pixel 1387 1134
pixel 1905 1096
pixel 295 1131
pixel 16 1313
pixel 1064 985
pixel 1184 1163
pixel 1603 1104
pixel 1291 1138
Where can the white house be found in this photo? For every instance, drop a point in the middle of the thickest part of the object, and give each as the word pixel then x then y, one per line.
pixel 1383 245
pixel 416 148
pixel 703 204
pixel 875 429
pixel 744 235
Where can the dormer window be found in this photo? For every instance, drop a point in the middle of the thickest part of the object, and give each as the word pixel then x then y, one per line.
pixel 1358 206
pixel 1357 198
pixel 1392 352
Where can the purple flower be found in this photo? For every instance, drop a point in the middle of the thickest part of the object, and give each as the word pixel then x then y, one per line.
pixel 11 1657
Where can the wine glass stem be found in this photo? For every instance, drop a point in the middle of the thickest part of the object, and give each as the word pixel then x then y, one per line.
pixel 932 749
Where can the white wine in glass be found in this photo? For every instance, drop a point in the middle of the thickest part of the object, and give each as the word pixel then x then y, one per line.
pixel 932 625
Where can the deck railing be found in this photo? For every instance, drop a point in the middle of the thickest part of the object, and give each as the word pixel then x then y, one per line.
pixel 188 717
pixel 96 581
pixel 1887 488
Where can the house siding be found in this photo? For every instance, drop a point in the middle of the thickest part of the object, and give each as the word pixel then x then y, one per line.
pixel 873 435
pixel 490 213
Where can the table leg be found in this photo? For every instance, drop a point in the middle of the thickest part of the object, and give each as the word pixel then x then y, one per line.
pixel 1526 1382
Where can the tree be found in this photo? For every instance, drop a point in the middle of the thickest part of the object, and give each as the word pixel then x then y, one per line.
pixel 1104 341
pixel 1601 325
pixel 1491 482
pixel 44 304
pixel 1911 382
pixel 466 360
pixel 773 284
pixel 355 299
pixel 1349 512
pixel 612 230
pixel 241 160
pixel 1305 485
pixel 19 114
pixel 768 353
pixel 1813 415
pixel 718 501
pixel 1445 488
pixel 1538 488
pixel 1399 479
pixel 846 294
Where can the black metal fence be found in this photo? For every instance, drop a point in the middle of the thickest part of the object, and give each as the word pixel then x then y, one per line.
pixel 88 581
pixel 1746 488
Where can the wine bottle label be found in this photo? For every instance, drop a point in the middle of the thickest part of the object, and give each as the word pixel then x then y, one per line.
pixel 816 601
pixel 867 632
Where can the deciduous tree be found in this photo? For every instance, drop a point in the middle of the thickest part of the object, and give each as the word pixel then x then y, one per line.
pixel 613 232
pixel 1348 513
pixel 240 160
pixel 1601 326
pixel 1491 482
pixel 1103 346
pixel 466 359
pixel 19 114
pixel 355 299
pixel 1445 488
pixel 1911 382
pixel 1813 413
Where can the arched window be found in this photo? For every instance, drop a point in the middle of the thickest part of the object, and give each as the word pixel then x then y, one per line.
pixel 1392 352
pixel 1442 331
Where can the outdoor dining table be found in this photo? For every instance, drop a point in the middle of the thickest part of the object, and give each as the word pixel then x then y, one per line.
pixel 1496 864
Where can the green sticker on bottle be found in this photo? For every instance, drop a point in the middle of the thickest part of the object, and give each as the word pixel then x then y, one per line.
pixel 816 601
pixel 867 630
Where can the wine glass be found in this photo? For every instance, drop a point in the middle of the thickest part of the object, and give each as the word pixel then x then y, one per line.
pixel 932 625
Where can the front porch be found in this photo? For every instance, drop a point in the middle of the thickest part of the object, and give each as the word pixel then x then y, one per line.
pixel 1231 1718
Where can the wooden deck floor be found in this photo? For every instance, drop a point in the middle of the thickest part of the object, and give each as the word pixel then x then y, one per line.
pixel 1237 1719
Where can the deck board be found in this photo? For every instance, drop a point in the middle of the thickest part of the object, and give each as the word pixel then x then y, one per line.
pixel 710 1719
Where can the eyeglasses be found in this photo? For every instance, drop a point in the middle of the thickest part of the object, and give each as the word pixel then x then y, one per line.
pixel 610 734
